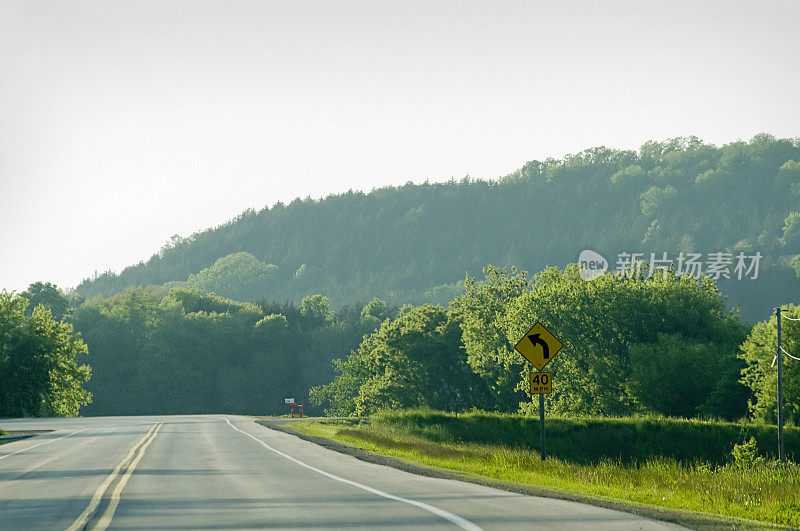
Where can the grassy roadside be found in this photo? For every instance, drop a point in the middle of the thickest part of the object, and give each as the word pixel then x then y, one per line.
pixel 662 473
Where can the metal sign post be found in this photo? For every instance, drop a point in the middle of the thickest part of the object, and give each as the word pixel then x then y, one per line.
pixel 541 383
pixel 541 427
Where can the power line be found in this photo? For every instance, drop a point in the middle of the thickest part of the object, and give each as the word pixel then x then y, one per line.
pixel 790 318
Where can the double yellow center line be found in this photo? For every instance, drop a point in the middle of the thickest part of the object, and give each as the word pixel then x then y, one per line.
pixel 129 463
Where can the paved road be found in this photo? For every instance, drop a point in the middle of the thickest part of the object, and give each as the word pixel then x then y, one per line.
pixel 204 472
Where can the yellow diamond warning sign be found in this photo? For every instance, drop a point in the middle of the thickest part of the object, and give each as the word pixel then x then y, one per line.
pixel 541 383
pixel 538 346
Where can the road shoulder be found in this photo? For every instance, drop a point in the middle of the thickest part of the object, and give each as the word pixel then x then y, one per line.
pixel 690 519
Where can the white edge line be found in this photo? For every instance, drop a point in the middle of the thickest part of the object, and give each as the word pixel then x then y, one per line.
pixel 463 523
pixel 41 443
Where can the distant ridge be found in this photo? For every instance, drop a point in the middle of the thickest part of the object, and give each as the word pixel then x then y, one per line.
pixel 414 243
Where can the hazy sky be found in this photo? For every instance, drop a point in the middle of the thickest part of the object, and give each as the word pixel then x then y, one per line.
pixel 122 123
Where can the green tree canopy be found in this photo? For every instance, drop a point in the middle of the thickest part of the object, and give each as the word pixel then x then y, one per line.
pixel 48 295
pixel 240 276
pixel 375 308
pixel 601 322
pixel 40 373
pixel 479 311
pixel 680 376
pixel 316 309
pixel 628 342
pixel 414 360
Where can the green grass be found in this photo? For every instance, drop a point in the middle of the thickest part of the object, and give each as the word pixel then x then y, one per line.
pixel 671 463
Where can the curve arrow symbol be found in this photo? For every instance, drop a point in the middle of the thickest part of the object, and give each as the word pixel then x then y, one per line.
pixel 536 340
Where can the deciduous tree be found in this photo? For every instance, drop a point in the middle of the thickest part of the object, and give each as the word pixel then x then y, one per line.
pixel 40 374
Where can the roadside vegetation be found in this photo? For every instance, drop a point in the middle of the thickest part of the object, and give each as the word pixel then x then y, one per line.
pixel 714 467
pixel 40 359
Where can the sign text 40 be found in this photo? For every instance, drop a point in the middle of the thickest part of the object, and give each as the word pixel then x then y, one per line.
pixel 541 383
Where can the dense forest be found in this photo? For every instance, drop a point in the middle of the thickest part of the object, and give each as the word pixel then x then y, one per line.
pixel 414 243
pixel 190 352
pixel 183 352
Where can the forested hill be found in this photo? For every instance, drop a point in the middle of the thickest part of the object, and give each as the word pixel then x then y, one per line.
pixel 414 243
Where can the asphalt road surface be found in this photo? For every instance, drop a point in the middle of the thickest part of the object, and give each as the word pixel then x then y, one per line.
pixel 209 472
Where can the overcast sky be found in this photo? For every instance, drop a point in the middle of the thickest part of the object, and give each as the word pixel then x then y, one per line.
pixel 122 123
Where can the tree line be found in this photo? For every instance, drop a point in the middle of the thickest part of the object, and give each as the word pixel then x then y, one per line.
pixel 412 243
pixel 187 351
pixel 664 344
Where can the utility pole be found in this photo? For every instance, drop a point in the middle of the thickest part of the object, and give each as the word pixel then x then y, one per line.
pixel 778 353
